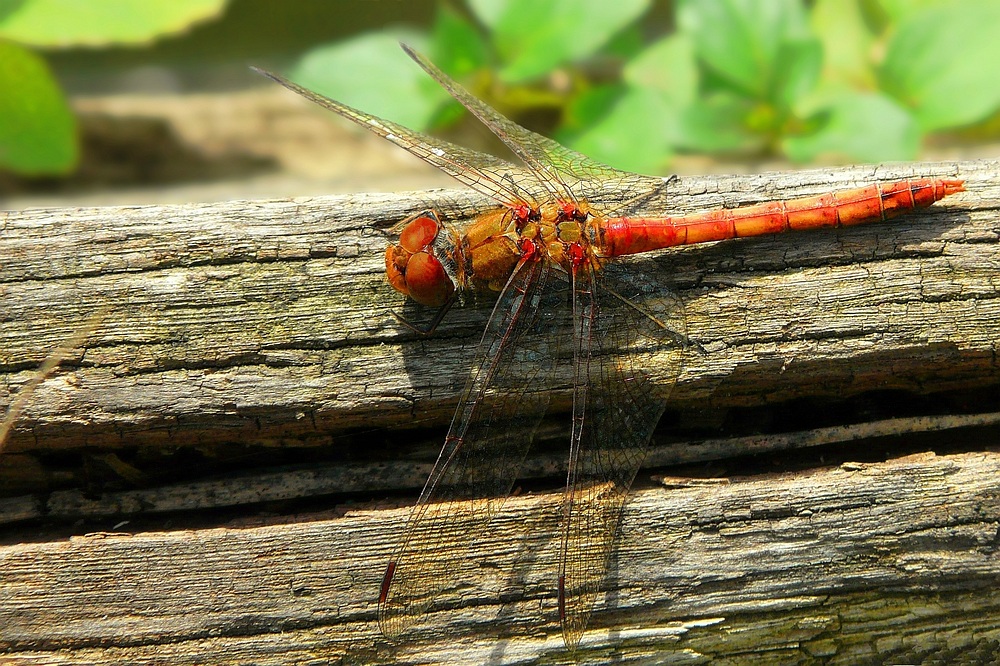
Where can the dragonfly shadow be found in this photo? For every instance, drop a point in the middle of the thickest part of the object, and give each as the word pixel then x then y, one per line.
pixel 531 576
pixel 532 579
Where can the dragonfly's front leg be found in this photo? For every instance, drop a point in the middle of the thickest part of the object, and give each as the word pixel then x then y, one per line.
pixel 434 323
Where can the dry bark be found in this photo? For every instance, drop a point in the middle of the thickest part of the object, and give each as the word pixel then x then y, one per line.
pixel 893 562
pixel 268 323
pixel 267 320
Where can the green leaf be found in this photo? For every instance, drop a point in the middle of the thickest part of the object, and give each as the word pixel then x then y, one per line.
pixel 795 73
pixel 534 37
pixel 941 64
pixel 488 12
pixel 719 123
pixel 899 10
pixel 38 132
pixel 634 126
pixel 859 127
pixel 847 42
pixel 374 75
pixel 629 128
pixel 626 43
pixel 457 46
pixel 8 7
pixel 741 41
pixel 64 23
pixel 668 67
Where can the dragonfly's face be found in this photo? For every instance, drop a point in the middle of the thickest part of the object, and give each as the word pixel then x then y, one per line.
pixel 413 266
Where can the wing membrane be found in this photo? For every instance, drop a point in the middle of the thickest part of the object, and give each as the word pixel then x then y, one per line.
pixel 569 175
pixel 616 405
pixel 505 397
pixel 482 172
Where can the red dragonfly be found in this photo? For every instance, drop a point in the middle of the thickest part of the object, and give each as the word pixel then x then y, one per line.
pixel 543 252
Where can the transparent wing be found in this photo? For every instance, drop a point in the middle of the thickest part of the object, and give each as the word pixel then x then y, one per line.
pixel 506 396
pixel 570 175
pixel 617 403
pixel 489 175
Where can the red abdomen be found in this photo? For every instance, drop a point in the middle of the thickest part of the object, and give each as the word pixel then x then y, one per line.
pixel 621 236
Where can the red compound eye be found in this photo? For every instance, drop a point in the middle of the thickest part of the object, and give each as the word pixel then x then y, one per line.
pixel 418 234
pixel 426 280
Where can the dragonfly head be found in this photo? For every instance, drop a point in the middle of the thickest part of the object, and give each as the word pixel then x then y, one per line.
pixel 413 266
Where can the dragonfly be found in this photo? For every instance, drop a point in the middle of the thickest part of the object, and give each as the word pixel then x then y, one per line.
pixel 566 316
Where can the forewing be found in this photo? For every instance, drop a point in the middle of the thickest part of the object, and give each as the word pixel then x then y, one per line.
pixel 482 172
pixel 506 396
pixel 628 352
pixel 567 173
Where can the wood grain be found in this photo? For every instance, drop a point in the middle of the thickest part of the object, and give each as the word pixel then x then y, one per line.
pixel 897 559
pixel 268 324
pixel 270 320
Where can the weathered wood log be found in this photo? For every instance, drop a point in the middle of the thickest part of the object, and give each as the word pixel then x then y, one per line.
pixel 269 324
pixel 270 321
pixel 893 562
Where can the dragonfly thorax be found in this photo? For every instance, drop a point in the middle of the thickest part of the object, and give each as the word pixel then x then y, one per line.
pixel 429 263
pixel 566 237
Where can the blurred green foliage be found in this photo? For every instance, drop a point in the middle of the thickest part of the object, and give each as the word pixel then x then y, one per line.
pixel 832 80
pixel 37 128
pixel 630 82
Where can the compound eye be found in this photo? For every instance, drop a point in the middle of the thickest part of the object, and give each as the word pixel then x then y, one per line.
pixel 426 280
pixel 418 234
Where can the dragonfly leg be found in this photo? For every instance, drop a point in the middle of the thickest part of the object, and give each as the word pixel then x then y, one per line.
pixel 435 322
pixel 679 338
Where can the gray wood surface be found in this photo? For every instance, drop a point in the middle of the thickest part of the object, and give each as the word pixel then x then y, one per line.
pixel 269 323
pixel 264 320
pixel 894 562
